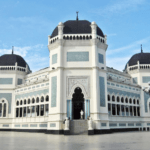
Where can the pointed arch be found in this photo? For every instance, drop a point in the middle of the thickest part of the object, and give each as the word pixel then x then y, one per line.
pixel 80 86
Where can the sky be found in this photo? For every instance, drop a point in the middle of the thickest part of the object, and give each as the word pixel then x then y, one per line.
pixel 26 24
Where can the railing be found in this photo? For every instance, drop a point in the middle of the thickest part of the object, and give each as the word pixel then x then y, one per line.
pixel 13 68
pixel 77 37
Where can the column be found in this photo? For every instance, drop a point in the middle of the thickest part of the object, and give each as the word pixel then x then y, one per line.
pixel 85 109
pixel 2 108
pixel 116 108
pixel 70 109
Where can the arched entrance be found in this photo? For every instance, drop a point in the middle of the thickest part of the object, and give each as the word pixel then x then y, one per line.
pixel 77 103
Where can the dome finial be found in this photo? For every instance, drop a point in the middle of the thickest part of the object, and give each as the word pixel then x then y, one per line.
pixel 77 15
pixel 141 49
pixel 12 50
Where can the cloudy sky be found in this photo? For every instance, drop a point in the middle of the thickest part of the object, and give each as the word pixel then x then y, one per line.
pixel 26 24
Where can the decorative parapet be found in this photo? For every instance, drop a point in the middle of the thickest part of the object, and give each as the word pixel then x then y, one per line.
pixel 76 37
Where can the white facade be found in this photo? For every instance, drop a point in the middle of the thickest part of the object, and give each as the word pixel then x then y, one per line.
pixel 45 98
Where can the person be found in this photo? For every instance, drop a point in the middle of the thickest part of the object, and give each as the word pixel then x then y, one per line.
pixel 81 113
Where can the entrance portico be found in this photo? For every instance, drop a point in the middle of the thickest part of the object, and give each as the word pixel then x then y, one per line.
pixel 78 103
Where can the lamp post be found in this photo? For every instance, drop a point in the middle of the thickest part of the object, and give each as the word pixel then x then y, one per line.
pixel 147 89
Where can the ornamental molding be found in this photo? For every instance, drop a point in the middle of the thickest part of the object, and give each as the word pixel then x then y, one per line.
pixel 78 81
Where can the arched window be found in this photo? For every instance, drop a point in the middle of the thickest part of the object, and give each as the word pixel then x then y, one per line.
pixel 42 99
pixel 130 101
pixel 134 101
pixel 21 102
pixel 37 99
pixel 118 99
pixel 126 100
pixel 33 100
pixel 108 97
pixel 122 100
pixel 25 102
pixel 47 98
pixel 3 108
pixel 17 103
pixel 113 98
pixel 28 101
pixel 138 102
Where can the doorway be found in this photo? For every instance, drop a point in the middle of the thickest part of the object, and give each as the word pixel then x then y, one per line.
pixel 77 103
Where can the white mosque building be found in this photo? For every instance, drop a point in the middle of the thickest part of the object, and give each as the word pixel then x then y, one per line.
pixel 77 79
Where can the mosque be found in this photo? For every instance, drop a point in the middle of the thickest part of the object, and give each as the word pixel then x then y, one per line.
pixel 50 100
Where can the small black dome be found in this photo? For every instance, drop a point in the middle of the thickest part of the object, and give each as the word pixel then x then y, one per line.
pixel 11 59
pixel 77 27
pixel 143 58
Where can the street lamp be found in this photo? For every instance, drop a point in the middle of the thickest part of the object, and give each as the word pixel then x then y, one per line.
pixel 147 89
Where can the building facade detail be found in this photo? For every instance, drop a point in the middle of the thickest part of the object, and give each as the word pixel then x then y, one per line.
pixel 77 81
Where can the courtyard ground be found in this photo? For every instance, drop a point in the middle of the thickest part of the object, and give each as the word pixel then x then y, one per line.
pixel 41 141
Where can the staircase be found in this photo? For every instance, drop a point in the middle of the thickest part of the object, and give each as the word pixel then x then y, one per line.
pixel 78 127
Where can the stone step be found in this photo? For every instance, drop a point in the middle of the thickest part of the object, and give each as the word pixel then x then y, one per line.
pixel 78 127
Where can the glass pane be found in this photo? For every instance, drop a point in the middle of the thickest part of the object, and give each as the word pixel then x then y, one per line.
pixel 42 99
pixel 108 98
pixel 46 109
pixel 24 113
pixel 122 109
pixel 138 111
pixel 127 111
pixel 47 98
pixel 24 101
pixel 113 109
pixel 37 110
pixel 118 110
pixel 0 110
pixel 33 111
pixel 28 111
pixel 118 100
pixel 37 100
pixel 20 112
pixel 17 112
pixel 131 112
pixel 33 100
pixel 42 110
pixel 134 111
pixel 109 109
pixel 4 110
pixel 113 98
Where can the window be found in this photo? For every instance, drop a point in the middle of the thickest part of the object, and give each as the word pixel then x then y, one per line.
pixel 46 109
pixel 108 97
pixel 42 99
pixel 42 110
pixel 33 100
pixel 113 98
pixel 109 109
pixel 122 109
pixel 25 102
pixel 113 109
pixel 28 101
pixel 21 102
pixel 3 108
pixel 130 101
pixel 122 100
pixel 118 99
pixel 17 103
pixel 126 100
pixel 118 110
pixel 37 99
pixel 47 98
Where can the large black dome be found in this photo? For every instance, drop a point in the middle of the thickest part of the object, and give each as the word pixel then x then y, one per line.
pixel 11 59
pixel 77 27
pixel 143 58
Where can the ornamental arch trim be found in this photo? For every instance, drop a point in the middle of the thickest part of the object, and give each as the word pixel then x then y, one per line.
pixel 82 88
